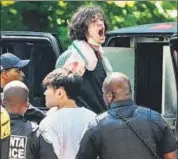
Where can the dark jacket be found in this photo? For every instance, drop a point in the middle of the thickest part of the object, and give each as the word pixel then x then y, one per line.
pixel 110 138
pixel 20 130
pixel 24 136
pixel 34 114
pixel 4 152
pixel 39 148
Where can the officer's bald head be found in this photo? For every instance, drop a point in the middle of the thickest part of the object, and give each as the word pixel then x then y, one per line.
pixel 116 86
pixel 16 89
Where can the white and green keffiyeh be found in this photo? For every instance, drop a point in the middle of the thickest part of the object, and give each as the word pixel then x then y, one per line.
pixel 82 53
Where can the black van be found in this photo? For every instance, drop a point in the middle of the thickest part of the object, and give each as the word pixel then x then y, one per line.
pixel 42 49
pixel 146 53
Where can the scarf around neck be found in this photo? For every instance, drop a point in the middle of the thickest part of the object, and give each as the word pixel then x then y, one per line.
pixel 80 51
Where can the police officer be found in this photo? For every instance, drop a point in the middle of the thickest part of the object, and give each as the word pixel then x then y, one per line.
pixel 38 147
pixel 126 130
pixel 11 69
pixel 5 133
pixel 16 95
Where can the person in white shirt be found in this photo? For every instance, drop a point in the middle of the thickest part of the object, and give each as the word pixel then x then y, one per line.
pixel 64 126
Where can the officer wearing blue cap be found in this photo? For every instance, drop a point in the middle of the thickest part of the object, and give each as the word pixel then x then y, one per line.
pixel 11 69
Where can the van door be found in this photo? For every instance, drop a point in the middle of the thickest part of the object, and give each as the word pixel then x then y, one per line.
pixel 169 89
pixel 122 60
pixel 174 53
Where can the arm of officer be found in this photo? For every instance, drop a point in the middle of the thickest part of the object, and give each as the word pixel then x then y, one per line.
pixel 46 149
pixel 89 145
pixel 39 148
pixel 164 136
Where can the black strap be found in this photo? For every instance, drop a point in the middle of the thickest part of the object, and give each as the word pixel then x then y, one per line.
pixel 138 134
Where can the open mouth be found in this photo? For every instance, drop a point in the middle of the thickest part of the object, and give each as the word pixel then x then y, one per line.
pixel 101 32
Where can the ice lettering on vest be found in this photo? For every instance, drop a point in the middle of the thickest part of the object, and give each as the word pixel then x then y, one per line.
pixel 18 147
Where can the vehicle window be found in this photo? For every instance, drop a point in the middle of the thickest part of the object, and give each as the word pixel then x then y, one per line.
pixel 42 61
pixel 118 42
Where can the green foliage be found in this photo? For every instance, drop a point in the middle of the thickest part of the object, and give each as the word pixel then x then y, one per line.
pixel 53 16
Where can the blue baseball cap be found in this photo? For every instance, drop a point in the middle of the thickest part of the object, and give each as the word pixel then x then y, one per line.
pixel 9 61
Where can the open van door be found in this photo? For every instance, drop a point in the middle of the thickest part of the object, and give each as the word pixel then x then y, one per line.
pixel 174 53
pixel 122 60
pixel 169 89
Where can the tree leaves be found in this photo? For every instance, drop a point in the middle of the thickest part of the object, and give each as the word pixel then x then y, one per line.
pixel 52 16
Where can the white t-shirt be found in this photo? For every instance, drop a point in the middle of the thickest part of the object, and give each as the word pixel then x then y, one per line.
pixel 64 129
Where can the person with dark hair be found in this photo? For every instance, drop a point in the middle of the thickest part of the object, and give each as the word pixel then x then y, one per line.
pixel 126 130
pixel 11 69
pixel 85 55
pixel 64 126
pixel 16 96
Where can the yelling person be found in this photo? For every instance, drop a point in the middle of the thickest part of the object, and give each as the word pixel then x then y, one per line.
pixel 86 56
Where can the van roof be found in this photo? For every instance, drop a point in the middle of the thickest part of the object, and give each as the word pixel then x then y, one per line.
pixel 155 28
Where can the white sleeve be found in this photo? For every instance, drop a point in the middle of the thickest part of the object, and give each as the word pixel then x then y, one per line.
pixel 52 134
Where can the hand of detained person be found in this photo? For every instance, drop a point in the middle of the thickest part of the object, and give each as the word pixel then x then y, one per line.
pixel 76 67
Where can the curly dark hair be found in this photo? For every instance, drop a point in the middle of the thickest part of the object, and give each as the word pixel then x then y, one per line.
pixel 78 26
